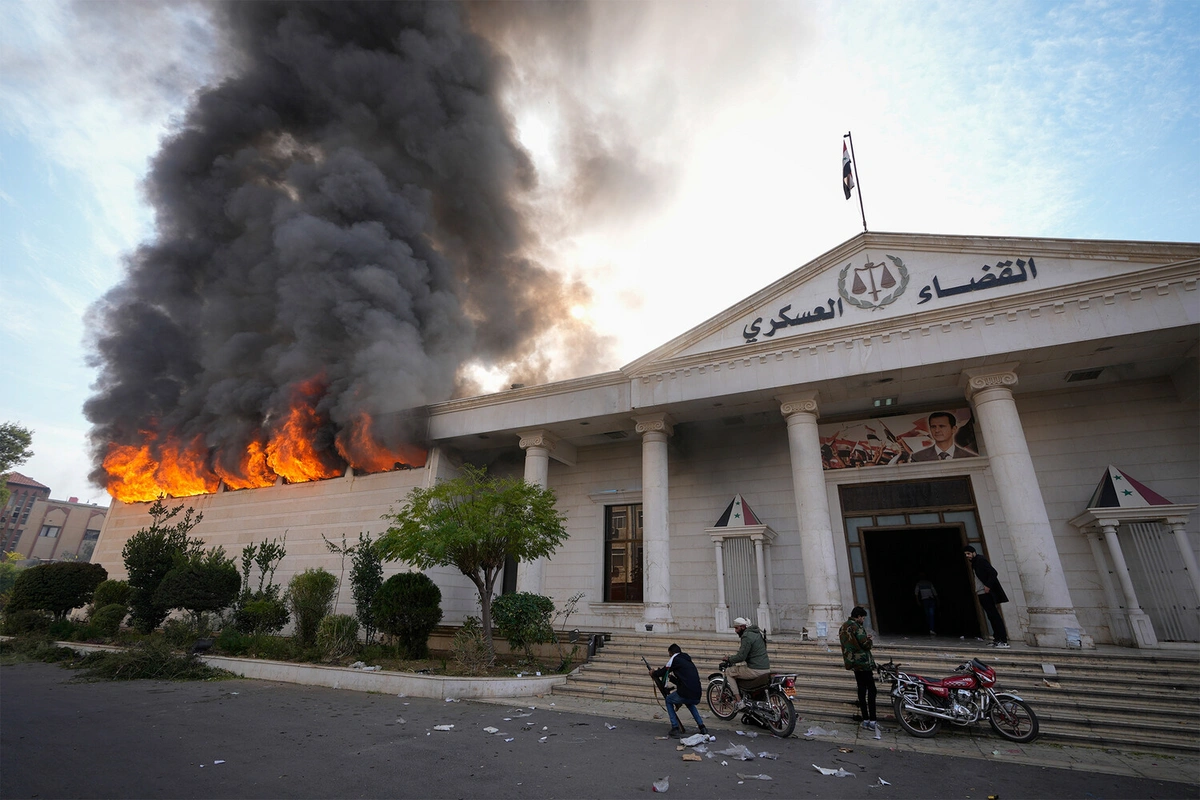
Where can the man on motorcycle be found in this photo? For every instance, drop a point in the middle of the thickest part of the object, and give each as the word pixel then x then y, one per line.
pixel 750 661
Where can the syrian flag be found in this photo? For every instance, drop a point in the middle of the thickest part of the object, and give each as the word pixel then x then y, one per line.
pixel 847 171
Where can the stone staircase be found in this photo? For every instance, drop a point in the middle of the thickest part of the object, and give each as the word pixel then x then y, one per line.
pixel 1117 697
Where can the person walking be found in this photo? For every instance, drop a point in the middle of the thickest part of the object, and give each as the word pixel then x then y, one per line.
pixel 750 661
pixel 927 597
pixel 687 689
pixel 856 656
pixel 990 593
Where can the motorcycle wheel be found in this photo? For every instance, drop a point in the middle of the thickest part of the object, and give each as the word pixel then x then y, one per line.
pixel 721 700
pixel 782 705
pixel 918 725
pixel 1013 719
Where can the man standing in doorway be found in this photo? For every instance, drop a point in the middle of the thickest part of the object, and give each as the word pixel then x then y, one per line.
pixel 943 426
pixel 991 594
pixel 750 661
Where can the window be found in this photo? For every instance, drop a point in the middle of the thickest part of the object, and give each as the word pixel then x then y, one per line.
pixel 50 531
pixel 623 553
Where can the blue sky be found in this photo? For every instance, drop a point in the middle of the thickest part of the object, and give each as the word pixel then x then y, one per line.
pixel 1030 119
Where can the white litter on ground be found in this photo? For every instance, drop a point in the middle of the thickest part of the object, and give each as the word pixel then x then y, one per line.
pixel 443 727
pixel 738 751
pixel 661 786
pixel 490 729
pixel 837 773
pixel 817 730
pixel 694 739
pixel 759 777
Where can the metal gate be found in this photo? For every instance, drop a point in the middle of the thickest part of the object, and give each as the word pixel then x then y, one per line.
pixel 741 578
pixel 1162 585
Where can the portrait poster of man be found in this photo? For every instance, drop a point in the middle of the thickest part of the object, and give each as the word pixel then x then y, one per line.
pixel 939 435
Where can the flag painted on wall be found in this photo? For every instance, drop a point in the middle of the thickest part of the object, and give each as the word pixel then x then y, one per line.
pixel 847 171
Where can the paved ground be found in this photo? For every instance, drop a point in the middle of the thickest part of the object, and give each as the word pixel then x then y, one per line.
pixel 259 739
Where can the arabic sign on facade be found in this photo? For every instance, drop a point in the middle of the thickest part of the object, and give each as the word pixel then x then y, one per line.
pixel 903 439
pixel 875 285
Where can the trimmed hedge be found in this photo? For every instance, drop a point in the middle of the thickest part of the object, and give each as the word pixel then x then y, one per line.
pixel 408 606
pixel 57 587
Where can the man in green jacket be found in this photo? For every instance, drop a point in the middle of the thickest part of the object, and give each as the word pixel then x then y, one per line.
pixel 750 661
pixel 856 655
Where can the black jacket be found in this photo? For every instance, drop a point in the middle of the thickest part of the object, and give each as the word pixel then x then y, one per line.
pixel 684 676
pixel 987 576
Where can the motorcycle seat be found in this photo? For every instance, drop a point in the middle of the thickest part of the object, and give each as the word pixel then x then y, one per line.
pixel 754 684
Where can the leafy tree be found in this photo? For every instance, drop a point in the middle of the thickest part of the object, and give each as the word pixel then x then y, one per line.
pixel 198 583
pixel 523 618
pixel 111 592
pixel 150 554
pixel 366 578
pixel 57 587
pixel 262 610
pixel 408 606
pixel 474 522
pixel 310 596
pixel 14 451
pixel 8 575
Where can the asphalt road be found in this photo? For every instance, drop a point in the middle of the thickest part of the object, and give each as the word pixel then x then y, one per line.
pixel 256 739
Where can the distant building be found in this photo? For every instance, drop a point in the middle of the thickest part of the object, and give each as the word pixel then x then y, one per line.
pixel 61 530
pixel 15 516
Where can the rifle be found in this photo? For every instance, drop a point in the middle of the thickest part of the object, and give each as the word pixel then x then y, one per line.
pixel 662 687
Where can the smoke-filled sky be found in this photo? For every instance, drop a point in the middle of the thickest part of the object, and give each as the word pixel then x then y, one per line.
pixel 519 191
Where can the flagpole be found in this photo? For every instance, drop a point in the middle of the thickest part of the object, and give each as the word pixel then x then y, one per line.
pixel 857 182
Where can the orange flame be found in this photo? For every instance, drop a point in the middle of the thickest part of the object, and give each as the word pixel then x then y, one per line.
pixel 138 473
pixel 253 472
pixel 291 452
pixel 358 445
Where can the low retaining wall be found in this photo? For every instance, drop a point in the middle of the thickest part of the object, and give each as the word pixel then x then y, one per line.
pixel 360 680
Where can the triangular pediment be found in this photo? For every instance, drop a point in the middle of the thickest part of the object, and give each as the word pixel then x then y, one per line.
pixel 878 279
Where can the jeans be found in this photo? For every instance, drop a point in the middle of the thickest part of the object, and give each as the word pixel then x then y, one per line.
pixel 930 612
pixel 674 701
pixel 999 631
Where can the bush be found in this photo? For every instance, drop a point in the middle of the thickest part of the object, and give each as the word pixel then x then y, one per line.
pixel 260 613
pixel 200 583
pixel 523 619
pixel 109 592
pixel 310 598
pixel 408 606
pixel 57 587
pixel 150 554
pixel 107 619
pixel 151 659
pixel 469 648
pixel 23 623
pixel 337 636
pixel 366 576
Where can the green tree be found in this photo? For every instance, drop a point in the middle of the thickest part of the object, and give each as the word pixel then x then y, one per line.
pixel 8 575
pixel 150 554
pixel 57 587
pixel 474 522
pixel 408 606
pixel 14 450
pixel 310 596
pixel 366 578
pixel 523 618
pixel 200 582
pixel 261 610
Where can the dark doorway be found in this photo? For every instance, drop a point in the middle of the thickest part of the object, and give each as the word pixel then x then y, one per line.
pixel 896 559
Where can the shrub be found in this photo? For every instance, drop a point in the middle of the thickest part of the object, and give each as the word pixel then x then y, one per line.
pixel 523 619
pixel 107 619
pixel 150 554
pixel 198 583
pixel 8 576
pixel 366 576
pixel 23 623
pixel 151 659
pixel 57 587
pixel 260 614
pixel 109 592
pixel 408 606
pixel 310 598
pixel 337 636
pixel 469 648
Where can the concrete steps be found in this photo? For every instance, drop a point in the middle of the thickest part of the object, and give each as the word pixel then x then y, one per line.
pixel 1139 700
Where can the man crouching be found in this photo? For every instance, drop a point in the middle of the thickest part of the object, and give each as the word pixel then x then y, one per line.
pixel 687 689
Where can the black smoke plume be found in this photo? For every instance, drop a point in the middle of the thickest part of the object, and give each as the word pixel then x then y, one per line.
pixel 342 210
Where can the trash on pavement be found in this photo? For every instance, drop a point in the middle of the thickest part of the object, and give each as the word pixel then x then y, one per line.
pixel 760 777
pixel 837 773
pixel 845 749
pixel 692 757
pixel 694 739
pixel 490 729
pixel 738 751
pixel 443 727
pixel 610 727
pixel 817 730
pixel 772 756
pixel 661 786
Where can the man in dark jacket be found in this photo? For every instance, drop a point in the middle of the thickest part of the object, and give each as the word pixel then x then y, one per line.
pixel 750 661
pixel 991 594
pixel 687 688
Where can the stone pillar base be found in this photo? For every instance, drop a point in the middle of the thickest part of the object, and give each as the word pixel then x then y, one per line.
pixel 1048 628
pixel 1143 629
pixel 831 615
pixel 722 615
pixel 656 618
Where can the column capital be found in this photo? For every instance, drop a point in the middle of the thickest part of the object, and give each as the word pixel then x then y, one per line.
pixel 538 438
pixel 652 423
pixel 800 402
pixel 998 375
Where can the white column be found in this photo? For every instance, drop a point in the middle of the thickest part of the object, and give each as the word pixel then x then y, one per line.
pixel 656 522
pixel 1139 622
pixel 812 512
pixel 537 446
pixel 1118 625
pixel 764 608
pixel 1177 526
pixel 722 609
pixel 1042 579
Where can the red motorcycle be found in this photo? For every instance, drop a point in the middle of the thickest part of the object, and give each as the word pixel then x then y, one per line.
pixel 923 704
